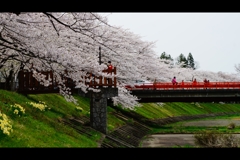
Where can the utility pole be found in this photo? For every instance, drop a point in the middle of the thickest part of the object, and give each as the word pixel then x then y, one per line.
pixel 99 55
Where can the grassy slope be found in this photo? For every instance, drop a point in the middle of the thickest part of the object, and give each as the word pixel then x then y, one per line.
pixel 171 109
pixel 41 128
pixel 38 128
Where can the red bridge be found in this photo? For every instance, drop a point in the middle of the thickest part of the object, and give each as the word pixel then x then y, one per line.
pixel 187 92
pixel 186 85
pixel 148 92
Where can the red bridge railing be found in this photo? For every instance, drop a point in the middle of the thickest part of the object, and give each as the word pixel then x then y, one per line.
pixel 99 81
pixel 186 85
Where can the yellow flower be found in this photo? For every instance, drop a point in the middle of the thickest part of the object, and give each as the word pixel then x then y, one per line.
pixel 41 105
pixel 18 109
pixel 79 108
pixel 15 111
pixel 5 124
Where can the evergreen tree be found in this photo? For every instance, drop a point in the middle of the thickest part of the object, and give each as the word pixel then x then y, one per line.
pixel 190 60
pixel 163 55
pixel 182 60
pixel 167 57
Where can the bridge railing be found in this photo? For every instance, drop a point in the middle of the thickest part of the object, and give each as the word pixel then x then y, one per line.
pixel 100 81
pixel 186 85
pixel 28 84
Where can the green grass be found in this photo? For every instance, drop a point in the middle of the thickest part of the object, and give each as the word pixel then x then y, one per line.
pixel 185 146
pixel 38 128
pixel 112 121
pixel 178 127
pixel 193 129
pixel 173 109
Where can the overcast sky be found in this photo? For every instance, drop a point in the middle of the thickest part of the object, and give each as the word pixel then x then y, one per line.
pixel 212 38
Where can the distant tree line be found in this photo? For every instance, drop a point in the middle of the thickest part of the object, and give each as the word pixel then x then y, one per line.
pixel 184 62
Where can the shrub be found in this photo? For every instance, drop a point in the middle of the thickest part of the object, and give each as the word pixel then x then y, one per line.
pixel 231 126
pixel 214 139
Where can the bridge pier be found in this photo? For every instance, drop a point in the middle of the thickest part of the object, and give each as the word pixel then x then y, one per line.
pixel 98 108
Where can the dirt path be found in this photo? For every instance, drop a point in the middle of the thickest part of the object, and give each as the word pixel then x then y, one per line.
pixel 215 122
pixel 174 140
pixel 168 140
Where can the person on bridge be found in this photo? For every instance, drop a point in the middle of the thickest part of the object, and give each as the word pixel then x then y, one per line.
pixel 182 84
pixel 194 82
pixel 174 81
pixel 110 68
pixel 205 81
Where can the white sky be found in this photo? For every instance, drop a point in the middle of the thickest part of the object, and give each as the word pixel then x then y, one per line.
pixel 212 38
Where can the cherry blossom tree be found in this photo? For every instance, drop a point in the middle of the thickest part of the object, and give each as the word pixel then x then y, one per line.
pixel 70 42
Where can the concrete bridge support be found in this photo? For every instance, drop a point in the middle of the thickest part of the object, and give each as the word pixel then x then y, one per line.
pixel 98 108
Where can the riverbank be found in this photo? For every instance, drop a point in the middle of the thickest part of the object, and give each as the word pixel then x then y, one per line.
pixel 185 140
pixel 65 124
pixel 137 134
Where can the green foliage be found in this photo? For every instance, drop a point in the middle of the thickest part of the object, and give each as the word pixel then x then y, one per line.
pixel 190 61
pixel 181 60
pixel 167 59
pixel 166 56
